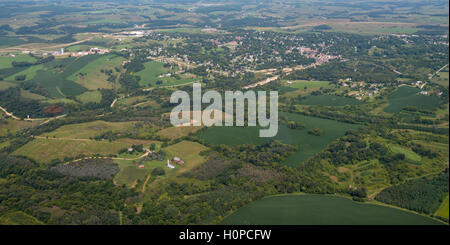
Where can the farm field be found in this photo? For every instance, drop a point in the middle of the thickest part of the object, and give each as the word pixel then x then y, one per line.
pixel 90 96
pixel 329 100
pixel 153 69
pixel 130 173
pixel 301 84
pixel 5 61
pixel 408 96
pixel 44 150
pixel 30 73
pixel 321 210
pixel 177 132
pixel 308 144
pixel 443 209
pixel 441 78
pixel 87 130
pixel 18 218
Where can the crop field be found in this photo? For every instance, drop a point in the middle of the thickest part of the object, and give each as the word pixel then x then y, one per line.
pixel 129 174
pixel 308 144
pixel 443 209
pixel 321 210
pixel 329 100
pixel 92 77
pixel 11 41
pixel 44 150
pixel 408 96
pixel 301 84
pixel 56 85
pixel 189 152
pixel 177 132
pixel 29 73
pixel 89 129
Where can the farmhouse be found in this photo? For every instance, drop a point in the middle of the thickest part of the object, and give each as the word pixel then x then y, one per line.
pixel 178 160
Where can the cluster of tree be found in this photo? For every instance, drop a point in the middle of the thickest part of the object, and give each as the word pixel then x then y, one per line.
pixel 83 200
pixel 12 100
pixel 88 168
pixel 422 195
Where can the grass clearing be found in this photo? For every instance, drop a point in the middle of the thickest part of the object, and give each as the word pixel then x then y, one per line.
pixel 329 100
pixel 92 77
pixel 409 154
pixel 88 129
pixel 5 61
pixel 441 78
pixel 177 132
pixel 90 96
pixel 44 150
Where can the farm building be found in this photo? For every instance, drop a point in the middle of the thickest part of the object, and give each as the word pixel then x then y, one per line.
pixel 178 160
pixel 169 165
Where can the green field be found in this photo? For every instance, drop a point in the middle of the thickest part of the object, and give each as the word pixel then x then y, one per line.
pixel 149 76
pixel 90 96
pixel 18 218
pixel 329 100
pixel 57 86
pixel 88 129
pixel 408 96
pixel 321 210
pixel 29 73
pixel 301 84
pixel 5 61
pixel 44 150
pixel 409 154
pixel 308 145
pixel 151 72
pixel 443 209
